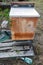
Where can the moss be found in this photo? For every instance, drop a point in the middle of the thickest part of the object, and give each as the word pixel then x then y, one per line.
pixel 17 51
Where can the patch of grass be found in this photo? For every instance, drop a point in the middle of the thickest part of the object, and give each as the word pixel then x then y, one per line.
pixel 4 14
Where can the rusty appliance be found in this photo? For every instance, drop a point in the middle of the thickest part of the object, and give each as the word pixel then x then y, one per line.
pixel 24 19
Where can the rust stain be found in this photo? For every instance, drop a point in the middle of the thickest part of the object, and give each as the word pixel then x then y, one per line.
pixel 19 30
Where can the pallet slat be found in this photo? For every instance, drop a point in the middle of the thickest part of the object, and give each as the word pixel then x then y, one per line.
pixel 13 54
pixel 6 44
pixel 15 48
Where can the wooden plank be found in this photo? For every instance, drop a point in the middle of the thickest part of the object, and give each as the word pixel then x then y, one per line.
pixel 14 54
pixel 23 4
pixel 14 48
pixel 4 3
pixel 6 44
pixel 15 43
pixel 20 3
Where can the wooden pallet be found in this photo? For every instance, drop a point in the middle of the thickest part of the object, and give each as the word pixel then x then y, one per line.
pixel 13 49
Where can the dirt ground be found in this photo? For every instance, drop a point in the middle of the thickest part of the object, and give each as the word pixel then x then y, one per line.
pixel 38 41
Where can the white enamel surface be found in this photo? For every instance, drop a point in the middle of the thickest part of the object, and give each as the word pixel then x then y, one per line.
pixel 23 12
